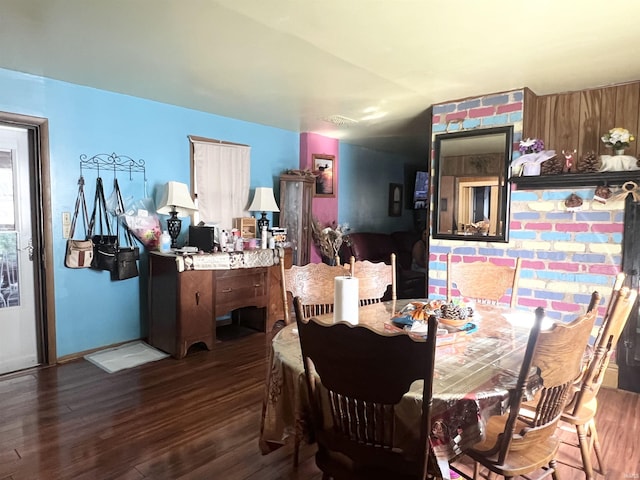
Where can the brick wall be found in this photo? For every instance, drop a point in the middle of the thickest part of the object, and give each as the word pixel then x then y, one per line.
pixel 565 255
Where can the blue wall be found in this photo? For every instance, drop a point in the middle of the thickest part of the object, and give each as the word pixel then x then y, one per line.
pixel 363 199
pixel 91 310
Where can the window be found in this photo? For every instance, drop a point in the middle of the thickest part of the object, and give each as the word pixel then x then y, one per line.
pixel 220 180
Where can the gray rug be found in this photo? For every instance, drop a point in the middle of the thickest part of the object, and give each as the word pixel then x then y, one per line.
pixel 125 356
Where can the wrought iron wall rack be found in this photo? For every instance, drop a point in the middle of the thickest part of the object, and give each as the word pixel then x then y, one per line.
pixel 113 163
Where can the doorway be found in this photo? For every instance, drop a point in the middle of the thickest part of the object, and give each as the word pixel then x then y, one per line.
pixel 27 319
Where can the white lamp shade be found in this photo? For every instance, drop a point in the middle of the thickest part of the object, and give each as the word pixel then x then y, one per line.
pixel 263 201
pixel 176 196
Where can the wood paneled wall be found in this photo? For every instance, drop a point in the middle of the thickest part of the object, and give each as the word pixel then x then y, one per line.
pixel 578 119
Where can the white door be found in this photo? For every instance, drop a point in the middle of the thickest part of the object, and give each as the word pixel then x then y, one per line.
pixel 18 333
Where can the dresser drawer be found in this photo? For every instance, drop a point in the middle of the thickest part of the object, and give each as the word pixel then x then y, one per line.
pixel 241 287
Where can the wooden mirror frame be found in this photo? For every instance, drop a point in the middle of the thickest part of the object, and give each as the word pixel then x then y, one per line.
pixel 476 142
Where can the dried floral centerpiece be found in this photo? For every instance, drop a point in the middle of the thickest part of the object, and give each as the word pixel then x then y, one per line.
pixel 618 139
pixel 329 239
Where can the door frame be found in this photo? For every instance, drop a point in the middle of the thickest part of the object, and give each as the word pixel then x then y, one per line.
pixel 41 218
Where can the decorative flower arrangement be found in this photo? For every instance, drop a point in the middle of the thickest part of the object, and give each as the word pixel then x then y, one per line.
pixel 142 224
pixel 146 229
pixel 329 239
pixel 617 138
pixel 531 145
pixel 533 154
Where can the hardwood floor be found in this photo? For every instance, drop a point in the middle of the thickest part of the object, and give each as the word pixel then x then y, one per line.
pixel 195 418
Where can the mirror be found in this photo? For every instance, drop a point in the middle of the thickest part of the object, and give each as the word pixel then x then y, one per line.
pixel 471 196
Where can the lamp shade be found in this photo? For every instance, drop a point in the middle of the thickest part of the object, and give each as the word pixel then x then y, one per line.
pixel 263 201
pixel 176 197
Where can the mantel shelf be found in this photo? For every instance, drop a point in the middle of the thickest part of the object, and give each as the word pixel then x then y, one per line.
pixel 570 180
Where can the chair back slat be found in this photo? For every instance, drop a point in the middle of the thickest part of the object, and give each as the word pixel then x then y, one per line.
pixel 374 279
pixel 484 282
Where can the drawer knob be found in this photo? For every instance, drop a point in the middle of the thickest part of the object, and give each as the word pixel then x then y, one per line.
pixel 197 298
pixel 227 290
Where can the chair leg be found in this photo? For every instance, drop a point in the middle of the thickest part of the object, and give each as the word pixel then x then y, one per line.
pixel 553 465
pixel 596 446
pixel 585 451
pixel 296 450
pixel 476 470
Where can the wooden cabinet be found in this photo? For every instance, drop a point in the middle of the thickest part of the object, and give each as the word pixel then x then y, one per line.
pixel 183 306
pixel 296 196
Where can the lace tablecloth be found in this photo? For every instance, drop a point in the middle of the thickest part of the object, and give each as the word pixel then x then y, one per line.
pixel 472 381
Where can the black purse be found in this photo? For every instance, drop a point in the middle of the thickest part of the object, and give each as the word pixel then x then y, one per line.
pixel 104 246
pixel 126 257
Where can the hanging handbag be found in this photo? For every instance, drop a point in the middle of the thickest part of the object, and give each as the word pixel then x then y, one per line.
pixel 126 261
pixel 104 246
pixel 79 253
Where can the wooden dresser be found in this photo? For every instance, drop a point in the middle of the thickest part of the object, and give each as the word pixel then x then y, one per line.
pixel 183 306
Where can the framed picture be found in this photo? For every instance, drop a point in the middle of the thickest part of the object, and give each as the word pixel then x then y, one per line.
pixel 395 199
pixel 323 169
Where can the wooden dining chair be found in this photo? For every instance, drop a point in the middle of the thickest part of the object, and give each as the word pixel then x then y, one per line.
pixel 374 279
pixel 582 409
pixel 314 285
pixel 484 282
pixel 524 441
pixel 353 391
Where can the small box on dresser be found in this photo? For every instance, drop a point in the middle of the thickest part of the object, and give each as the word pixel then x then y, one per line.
pixel 246 226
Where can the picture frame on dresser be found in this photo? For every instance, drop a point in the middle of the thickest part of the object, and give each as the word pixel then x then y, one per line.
pixel 323 169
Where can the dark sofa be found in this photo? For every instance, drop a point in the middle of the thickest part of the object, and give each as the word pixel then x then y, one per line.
pixel 378 247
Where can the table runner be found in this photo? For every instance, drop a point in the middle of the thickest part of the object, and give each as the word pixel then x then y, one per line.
pixel 229 261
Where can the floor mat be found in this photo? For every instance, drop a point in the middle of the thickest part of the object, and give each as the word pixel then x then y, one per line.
pixel 125 356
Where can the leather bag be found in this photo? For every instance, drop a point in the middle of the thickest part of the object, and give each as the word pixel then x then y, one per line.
pixel 79 253
pixel 126 256
pixel 104 246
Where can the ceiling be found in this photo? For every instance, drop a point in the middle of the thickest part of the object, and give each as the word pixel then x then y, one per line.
pixel 364 71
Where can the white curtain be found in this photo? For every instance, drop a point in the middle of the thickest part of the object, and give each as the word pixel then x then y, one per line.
pixel 221 173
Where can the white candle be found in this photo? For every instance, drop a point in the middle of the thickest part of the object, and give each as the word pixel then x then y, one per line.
pixel 346 301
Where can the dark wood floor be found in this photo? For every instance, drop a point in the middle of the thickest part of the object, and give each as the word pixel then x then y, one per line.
pixel 196 418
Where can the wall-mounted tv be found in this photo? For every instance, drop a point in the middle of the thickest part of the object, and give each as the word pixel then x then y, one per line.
pixel 421 190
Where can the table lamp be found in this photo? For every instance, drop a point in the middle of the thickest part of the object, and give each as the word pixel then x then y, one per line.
pixel 263 201
pixel 177 202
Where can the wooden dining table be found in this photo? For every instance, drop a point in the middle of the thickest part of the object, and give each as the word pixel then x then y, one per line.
pixel 473 376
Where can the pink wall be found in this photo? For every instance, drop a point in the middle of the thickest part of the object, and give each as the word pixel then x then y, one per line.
pixel 324 209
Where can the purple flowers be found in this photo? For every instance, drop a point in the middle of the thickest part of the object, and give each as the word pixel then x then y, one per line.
pixel 531 145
